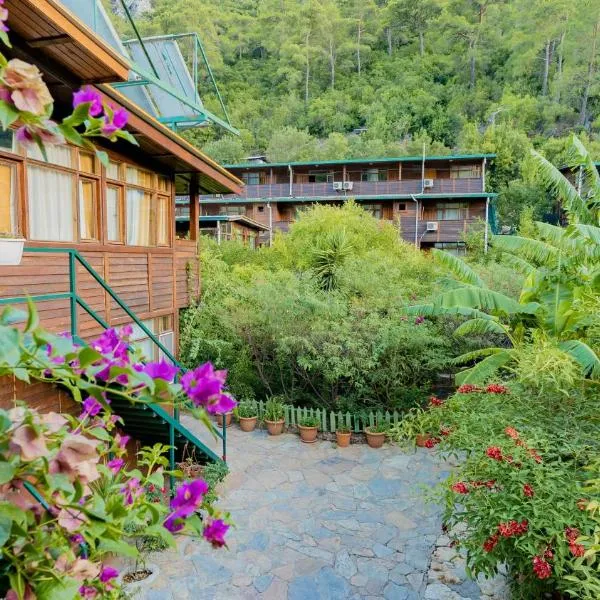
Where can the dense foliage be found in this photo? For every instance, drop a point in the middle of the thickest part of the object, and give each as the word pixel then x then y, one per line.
pixel 318 318
pixel 299 77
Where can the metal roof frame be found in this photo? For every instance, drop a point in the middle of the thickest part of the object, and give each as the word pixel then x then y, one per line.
pixel 239 200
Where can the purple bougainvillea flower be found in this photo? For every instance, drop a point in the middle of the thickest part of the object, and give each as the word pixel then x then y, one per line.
pixel 77 538
pixel 91 407
pixel 3 17
pixel 115 465
pixel 131 490
pixel 89 95
pixel 174 522
pixel 46 133
pixel 122 440
pixel 88 592
pixel 108 573
pixel 204 385
pixel 115 123
pixel 189 497
pixel 161 370
pixel 215 532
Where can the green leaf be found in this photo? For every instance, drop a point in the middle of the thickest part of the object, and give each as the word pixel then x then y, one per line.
pixel 8 114
pixel 535 251
pixel 5 527
pixel 475 355
pixel 486 300
pixel 482 371
pixel 459 268
pixel 7 471
pixel 10 354
pixel 64 588
pixel 102 157
pixel 583 355
pixel 87 356
pixel 100 434
pixel 125 135
pixel 480 327
pixel 33 319
pixel 118 547
pixel 79 115
pixel 71 134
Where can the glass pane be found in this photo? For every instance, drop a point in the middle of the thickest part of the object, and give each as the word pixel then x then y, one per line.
pixel 87 162
pixel 51 207
pixel 139 218
pixel 8 198
pixel 113 171
pixel 87 210
pixel 168 341
pixel 139 177
pixel 163 183
pixel 7 140
pixel 57 155
pixel 138 332
pixel 114 214
pixel 162 217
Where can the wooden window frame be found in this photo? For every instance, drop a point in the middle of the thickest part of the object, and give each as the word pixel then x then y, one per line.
pixel 157 200
pixel 18 192
pixel 123 233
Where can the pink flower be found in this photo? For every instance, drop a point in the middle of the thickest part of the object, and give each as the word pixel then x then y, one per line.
pixel 91 407
pixel 108 573
pixel 3 18
pixel 131 490
pixel 28 91
pixel 122 440
pixel 205 388
pixel 27 443
pixel 88 592
pixel 71 519
pixel 189 497
pixel 215 533
pixel 46 133
pixel 89 95
pixel 116 122
pixel 161 370
pixel 115 465
pixel 460 488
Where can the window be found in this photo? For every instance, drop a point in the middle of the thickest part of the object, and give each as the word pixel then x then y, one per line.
pixel 163 184
pixel 402 206
pixel 374 175
pixel 56 155
pixel 140 177
pixel 232 210
pixel 114 214
pixel 87 210
pixel 140 220
pixel 373 209
pixel 465 171
pixel 451 211
pixel 456 248
pixel 51 204
pixel 320 177
pixel 87 162
pixel 261 209
pixel 7 140
pixel 162 221
pixel 251 178
pixel 113 171
pixel 8 198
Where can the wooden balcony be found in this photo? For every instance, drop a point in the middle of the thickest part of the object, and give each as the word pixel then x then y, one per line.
pixel 373 189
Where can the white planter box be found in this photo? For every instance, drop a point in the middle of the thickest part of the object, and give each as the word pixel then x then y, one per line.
pixel 11 251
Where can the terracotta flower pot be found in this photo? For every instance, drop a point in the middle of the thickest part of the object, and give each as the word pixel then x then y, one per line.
pixel 375 440
pixel 308 434
pixel 421 439
pixel 248 423
pixel 228 417
pixel 275 427
pixel 343 439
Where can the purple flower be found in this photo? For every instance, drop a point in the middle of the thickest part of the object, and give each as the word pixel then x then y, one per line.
pixel 174 522
pixel 115 465
pixel 111 343
pixel 89 95
pixel 122 440
pixel 189 497
pixel 161 370
pixel 215 533
pixel 131 490
pixel 3 17
pixel 88 592
pixel 107 574
pixel 113 124
pixel 77 538
pixel 419 320
pixel 205 386
pixel 91 407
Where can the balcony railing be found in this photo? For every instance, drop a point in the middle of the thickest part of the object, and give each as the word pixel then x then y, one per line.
pixel 472 185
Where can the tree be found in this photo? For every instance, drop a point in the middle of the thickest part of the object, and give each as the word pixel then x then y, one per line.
pixel 413 17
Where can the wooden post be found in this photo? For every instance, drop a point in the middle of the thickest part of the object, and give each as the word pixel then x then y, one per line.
pixel 194 210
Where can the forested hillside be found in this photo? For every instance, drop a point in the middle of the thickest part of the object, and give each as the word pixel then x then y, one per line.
pixel 300 77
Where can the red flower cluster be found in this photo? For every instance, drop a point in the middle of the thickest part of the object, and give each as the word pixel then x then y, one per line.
pixel 495 453
pixel 445 431
pixel 541 567
pixel 582 504
pixel 488 484
pixel 496 388
pixel 490 543
pixel 572 533
pixel 431 442
pixel 468 388
pixel 512 433
pixel 460 488
pixel 513 528
pixel 435 401
pixel 528 490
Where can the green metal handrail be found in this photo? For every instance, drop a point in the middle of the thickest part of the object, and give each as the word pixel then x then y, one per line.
pixel 75 300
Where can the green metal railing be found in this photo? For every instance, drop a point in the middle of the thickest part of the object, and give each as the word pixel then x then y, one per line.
pixel 75 301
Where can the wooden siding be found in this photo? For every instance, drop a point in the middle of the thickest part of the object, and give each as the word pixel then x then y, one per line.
pixel 44 397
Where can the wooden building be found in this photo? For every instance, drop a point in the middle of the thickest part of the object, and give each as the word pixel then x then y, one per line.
pixel 432 200
pixel 120 219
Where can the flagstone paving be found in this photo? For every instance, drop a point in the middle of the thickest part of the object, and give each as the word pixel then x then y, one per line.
pixel 314 521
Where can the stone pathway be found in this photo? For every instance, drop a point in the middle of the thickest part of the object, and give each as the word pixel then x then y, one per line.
pixel 316 522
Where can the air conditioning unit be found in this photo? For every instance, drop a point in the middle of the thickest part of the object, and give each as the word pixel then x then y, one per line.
pixel 427 183
pixel 348 185
pixel 338 185
pixel 432 226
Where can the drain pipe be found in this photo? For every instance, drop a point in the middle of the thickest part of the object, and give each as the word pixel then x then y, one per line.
pixel 414 199
pixel 291 179
pixel 487 219
pixel 218 233
pixel 270 209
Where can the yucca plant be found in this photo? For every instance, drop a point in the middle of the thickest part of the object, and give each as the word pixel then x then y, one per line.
pixel 562 283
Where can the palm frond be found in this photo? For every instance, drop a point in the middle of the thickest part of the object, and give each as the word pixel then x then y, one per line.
pixel 468 357
pixel 480 327
pixel 535 251
pixel 583 355
pixel 459 268
pixel 518 264
pixel 484 370
pixel 590 179
pixel 484 300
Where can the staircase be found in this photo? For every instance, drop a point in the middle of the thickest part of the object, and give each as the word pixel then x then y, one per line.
pixel 148 423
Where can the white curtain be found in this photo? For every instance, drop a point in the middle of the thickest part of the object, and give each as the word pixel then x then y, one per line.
pixel 57 155
pixel 138 218
pixel 113 215
pixel 50 200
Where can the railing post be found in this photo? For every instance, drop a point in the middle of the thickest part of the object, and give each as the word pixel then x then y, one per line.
pixel 73 292
pixel 171 458
pixel 224 437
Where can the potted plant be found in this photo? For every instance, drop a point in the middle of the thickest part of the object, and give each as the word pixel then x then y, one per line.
pixel 273 416
pixel 376 434
pixel 308 427
pixel 247 414
pixel 11 248
pixel 343 434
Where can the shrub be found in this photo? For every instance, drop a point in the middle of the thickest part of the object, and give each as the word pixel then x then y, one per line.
pixel 247 409
pixel 274 410
pixel 309 422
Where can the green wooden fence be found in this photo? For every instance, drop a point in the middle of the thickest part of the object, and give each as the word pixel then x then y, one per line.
pixel 330 420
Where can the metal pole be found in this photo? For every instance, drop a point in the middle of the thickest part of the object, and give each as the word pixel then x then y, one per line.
pixel 224 437
pixel 291 179
pixel 219 233
pixel 171 458
pixel 483 175
pixel 416 220
pixel 139 37
pixel 195 67
pixel 270 209
pixel 73 292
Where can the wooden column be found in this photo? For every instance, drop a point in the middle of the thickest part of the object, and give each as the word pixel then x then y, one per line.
pixel 194 209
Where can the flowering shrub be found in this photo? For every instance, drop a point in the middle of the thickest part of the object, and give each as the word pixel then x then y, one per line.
pixel 522 495
pixel 67 497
